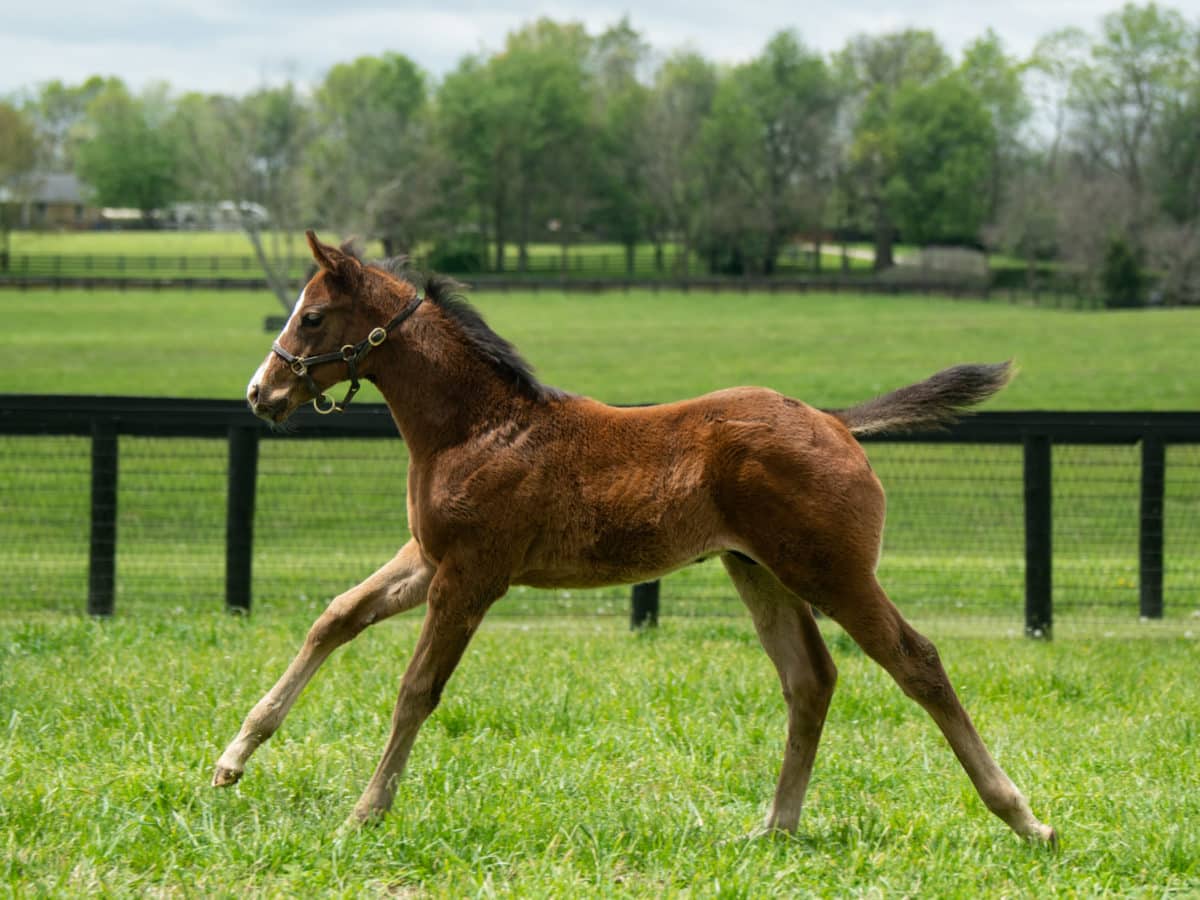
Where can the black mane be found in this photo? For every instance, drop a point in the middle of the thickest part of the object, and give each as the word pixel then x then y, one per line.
pixel 444 292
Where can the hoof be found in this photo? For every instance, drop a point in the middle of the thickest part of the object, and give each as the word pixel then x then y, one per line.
pixel 223 777
pixel 363 817
pixel 1044 836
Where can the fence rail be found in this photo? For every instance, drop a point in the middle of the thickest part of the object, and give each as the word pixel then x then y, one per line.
pixel 579 271
pixel 107 422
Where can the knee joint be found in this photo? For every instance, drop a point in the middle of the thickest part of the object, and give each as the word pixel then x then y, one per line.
pixel 333 629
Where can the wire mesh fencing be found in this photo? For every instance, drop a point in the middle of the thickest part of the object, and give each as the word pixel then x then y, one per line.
pixel 328 512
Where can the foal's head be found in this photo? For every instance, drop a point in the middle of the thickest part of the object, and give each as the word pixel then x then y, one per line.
pixel 340 316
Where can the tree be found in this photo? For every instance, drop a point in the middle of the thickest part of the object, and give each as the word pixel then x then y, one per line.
pixel 1127 143
pixel 478 136
pixel 997 80
pixel 769 132
pixel 1142 63
pixel 519 126
pixel 59 113
pixel 622 102
pixel 680 100
pixel 129 157
pixel 365 163
pixel 944 145
pixel 18 157
pixel 543 76
pixel 250 151
pixel 873 69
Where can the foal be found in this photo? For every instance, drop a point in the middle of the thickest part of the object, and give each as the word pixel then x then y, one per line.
pixel 511 482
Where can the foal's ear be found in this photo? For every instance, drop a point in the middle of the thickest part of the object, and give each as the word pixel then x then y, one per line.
pixel 338 262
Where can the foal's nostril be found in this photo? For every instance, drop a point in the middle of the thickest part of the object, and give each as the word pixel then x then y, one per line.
pixel 252 394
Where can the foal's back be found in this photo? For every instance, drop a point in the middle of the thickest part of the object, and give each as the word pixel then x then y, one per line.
pixel 615 495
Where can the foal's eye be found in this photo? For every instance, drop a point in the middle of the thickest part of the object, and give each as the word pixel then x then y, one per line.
pixel 312 319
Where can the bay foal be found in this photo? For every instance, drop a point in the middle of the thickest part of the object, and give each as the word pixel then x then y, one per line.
pixel 511 482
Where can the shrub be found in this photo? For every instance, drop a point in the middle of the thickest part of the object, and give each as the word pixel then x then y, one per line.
pixel 1121 277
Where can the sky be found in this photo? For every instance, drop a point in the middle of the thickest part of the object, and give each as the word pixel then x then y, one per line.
pixel 236 46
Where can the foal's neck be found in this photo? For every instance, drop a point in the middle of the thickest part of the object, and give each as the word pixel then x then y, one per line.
pixel 439 390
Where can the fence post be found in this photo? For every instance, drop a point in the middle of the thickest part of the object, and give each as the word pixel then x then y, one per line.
pixel 1150 528
pixel 644 610
pixel 1039 608
pixel 239 517
pixel 102 549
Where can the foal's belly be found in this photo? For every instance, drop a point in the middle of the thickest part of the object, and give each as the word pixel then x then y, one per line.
pixel 620 554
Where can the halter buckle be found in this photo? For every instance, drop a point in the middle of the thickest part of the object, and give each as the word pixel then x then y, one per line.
pixel 376 337
pixel 298 367
pixel 348 352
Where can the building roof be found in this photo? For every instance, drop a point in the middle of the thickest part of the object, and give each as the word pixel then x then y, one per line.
pixel 57 187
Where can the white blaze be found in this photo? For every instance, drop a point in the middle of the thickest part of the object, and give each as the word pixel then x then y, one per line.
pixel 256 378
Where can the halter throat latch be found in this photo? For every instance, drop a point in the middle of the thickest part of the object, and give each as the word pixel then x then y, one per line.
pixel 350 354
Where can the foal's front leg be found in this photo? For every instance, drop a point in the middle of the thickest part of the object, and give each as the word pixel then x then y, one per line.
pixel 458 600
pixel 401 584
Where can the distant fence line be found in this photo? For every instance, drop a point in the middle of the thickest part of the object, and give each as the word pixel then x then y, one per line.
pixel 1001 503
pixel 580 272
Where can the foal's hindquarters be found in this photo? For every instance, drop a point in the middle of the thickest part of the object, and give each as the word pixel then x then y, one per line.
pixel 813 521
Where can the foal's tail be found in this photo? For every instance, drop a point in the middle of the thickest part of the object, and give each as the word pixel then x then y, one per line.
pixel 928 404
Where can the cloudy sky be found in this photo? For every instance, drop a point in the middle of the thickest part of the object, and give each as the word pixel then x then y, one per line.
pixel 238 45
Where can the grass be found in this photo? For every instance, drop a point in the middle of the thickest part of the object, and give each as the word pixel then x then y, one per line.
pixel 592 259
pixel 572 758
pixel 641 346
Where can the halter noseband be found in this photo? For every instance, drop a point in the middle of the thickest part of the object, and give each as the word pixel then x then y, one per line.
pixel 350 354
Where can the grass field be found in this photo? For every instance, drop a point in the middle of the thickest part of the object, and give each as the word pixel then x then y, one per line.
pixel 596 259
pixel 570 757
pixel 827 349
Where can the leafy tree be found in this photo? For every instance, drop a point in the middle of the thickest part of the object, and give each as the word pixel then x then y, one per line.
pixel 363 164
pixel 770 130
pixel 59 113
pixel 519 127
pixel 681 98
pixel 873 69
pixel 480 139
pixel 18 156
pixel 1138 69
pixel 543 75
pixel 129 158
pixel 944 143
pixel 250 151
pixel 997 79
pixel 622 207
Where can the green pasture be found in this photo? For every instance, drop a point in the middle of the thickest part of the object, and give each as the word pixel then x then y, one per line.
pixel 829 350
pixel 206 253
pixel 571 757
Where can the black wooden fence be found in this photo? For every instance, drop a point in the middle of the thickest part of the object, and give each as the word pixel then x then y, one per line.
pixel 588 271
pixel 104 420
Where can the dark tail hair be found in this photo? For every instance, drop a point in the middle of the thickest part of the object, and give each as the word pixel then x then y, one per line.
pixel 929 404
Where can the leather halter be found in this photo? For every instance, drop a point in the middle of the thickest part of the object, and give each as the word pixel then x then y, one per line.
pixel 350 354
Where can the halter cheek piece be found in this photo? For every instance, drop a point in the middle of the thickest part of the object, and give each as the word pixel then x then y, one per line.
pixel 350 354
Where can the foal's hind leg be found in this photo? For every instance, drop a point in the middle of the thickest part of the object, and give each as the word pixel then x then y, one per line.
pixel 399 585
pixel 864 610
pixel 807 673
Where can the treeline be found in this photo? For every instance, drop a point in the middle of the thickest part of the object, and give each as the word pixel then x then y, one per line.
pixel 1087 153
